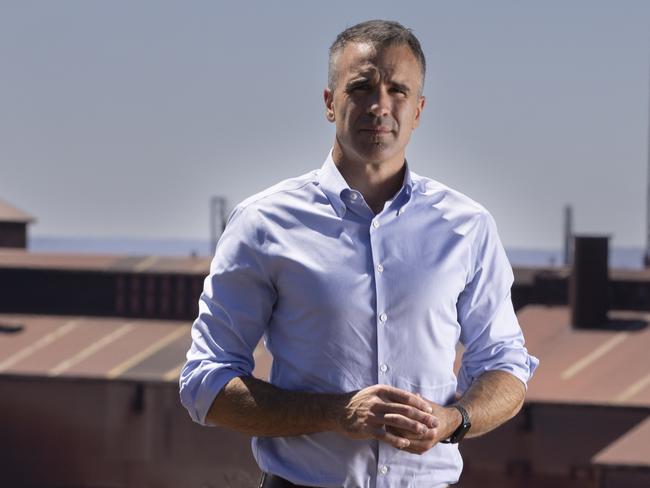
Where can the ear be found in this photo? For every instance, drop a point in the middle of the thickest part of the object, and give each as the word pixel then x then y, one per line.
pixel 418 111
pixel 328 97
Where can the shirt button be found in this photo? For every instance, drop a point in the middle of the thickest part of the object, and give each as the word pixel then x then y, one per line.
pixel 375 223
pixel 380 268
pixel 383 368
pixel 383 469
pixel 353 196
pixel 383 317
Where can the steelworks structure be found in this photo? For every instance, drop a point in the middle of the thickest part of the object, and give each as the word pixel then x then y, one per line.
pixel 90 398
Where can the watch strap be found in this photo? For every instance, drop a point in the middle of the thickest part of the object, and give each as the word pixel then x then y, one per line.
pixel 462 429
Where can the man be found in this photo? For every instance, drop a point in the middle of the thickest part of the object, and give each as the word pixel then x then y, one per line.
pixel 362 276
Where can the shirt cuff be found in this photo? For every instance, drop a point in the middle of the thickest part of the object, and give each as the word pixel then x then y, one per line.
pixel 199 391
pixel 522 369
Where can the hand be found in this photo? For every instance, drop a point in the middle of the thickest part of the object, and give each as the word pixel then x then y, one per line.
pixel 448 421
pixel 387 414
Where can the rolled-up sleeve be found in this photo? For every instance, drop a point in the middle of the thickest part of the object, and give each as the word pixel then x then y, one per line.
pixel 490 331
pixel 234 308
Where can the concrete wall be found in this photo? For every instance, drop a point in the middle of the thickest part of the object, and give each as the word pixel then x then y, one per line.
pixel 66 433
pixel 547 445
pixel 624 477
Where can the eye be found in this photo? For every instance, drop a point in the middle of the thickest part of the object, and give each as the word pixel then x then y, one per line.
pixel 358 87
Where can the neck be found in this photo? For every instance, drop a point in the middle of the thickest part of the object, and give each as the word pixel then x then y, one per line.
pixel 378 182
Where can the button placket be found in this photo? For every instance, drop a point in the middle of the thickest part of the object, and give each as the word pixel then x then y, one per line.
pixel 381 315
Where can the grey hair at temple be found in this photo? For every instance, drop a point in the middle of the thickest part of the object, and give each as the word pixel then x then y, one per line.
pixel 379 34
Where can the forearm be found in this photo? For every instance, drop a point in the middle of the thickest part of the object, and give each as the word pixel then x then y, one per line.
pixel 258 408
pixel 255 407
pixel 493 398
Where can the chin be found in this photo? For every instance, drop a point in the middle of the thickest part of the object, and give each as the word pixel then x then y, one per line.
pixel 377 151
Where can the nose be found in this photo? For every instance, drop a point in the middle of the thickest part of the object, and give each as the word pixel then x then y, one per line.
pixel 379 103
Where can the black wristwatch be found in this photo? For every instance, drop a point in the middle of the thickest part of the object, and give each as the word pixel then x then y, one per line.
pixel 462 429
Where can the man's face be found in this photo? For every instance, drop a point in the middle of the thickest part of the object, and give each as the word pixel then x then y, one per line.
pixel 376 103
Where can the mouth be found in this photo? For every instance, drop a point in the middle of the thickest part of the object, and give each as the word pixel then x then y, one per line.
pixel 376 130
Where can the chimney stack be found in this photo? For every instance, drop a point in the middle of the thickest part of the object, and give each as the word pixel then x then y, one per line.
pixel 589 282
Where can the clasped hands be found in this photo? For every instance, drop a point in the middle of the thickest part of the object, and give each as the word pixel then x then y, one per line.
pixel 397 417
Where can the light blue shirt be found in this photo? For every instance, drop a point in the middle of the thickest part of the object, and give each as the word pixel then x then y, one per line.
pixel 346 299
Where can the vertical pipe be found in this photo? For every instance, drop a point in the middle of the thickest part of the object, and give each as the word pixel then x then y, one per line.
pixel 217 214
pixel 213 225
pixel 568 233
pixel 646 259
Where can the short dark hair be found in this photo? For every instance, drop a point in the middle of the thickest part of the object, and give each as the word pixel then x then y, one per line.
pixel 379 34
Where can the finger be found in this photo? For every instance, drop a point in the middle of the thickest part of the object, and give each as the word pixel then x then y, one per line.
pixel 411 412
pixel 397 421
pixel 407 398
pixel 405 423
pixel 418 447
pixel 429 435
pixel 389 438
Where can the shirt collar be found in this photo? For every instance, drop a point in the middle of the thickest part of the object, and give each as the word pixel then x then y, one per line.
pixel 407 185
pixel 335 187
pixel 333 184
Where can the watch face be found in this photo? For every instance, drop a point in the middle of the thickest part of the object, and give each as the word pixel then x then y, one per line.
pixel 461 431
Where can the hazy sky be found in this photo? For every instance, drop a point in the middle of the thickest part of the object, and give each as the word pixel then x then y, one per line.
pixel 122 118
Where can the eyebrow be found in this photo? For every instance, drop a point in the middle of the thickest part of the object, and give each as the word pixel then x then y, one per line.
pixel 364 79
pixel 401 86
pixel 356 82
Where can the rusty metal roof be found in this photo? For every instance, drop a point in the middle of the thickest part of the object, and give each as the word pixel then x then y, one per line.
pixel 94 347
pixel 642 274
pixel 109 348
pixel 600 367
pixel 603 367
pixel 9 213
pixel 526 275
pixel 577 366
pixel 630 450
pixel 19 258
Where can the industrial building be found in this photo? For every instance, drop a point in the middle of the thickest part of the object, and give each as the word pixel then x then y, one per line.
pixel 13 226
pixel 91 348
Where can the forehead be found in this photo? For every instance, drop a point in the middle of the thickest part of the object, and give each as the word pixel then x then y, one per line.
pixel 359 59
